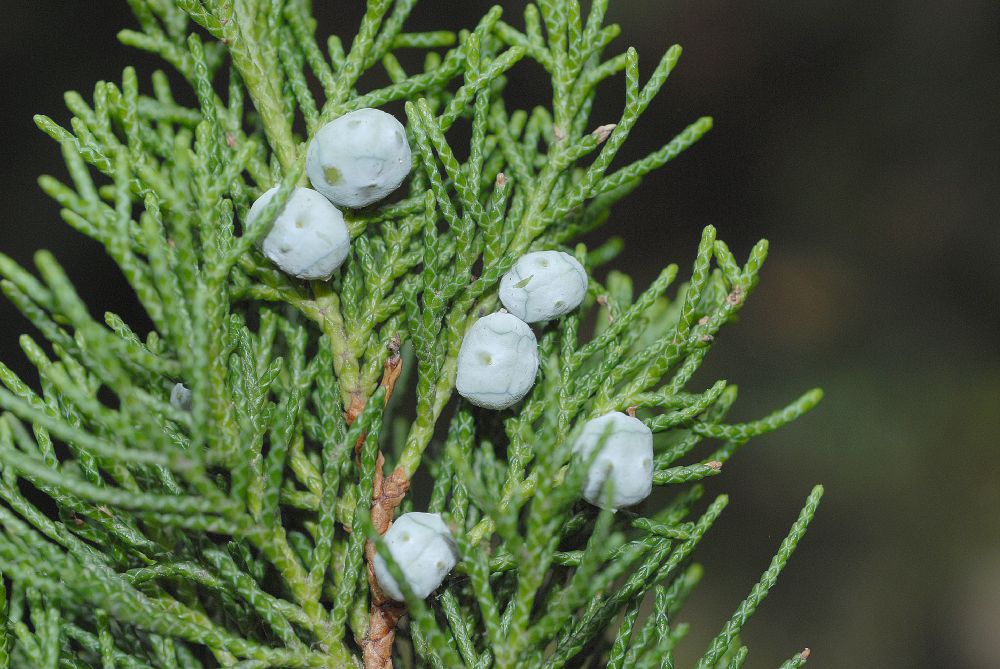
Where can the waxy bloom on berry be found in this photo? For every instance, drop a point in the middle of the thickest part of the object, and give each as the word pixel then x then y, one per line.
pixel 422 545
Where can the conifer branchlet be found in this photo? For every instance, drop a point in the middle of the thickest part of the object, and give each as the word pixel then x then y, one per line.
pixel 239 527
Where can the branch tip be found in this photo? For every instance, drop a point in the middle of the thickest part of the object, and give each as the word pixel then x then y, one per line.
pixel 603 301
pixel 602 132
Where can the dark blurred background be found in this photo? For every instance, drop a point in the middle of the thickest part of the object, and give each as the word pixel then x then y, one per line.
pixel 861 139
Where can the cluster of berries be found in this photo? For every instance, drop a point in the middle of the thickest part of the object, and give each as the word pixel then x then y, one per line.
pixel 498 363
pixel 361 158
pixel 352 162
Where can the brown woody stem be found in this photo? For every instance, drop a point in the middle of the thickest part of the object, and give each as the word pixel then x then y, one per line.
pixel 387 495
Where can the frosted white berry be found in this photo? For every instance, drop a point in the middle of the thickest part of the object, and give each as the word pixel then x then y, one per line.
pixel 543 285
pixel 359 158
pixel 626 458
pixel 498 361
pixel 422 546
pixel 309 238
pixel 180 397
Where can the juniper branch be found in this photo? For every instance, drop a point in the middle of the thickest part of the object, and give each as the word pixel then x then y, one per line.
pixel 240 530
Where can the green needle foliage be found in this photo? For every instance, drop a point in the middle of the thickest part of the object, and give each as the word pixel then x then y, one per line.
pixel 137 534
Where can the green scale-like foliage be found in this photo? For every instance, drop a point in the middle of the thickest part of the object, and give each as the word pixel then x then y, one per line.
pixel 140 535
